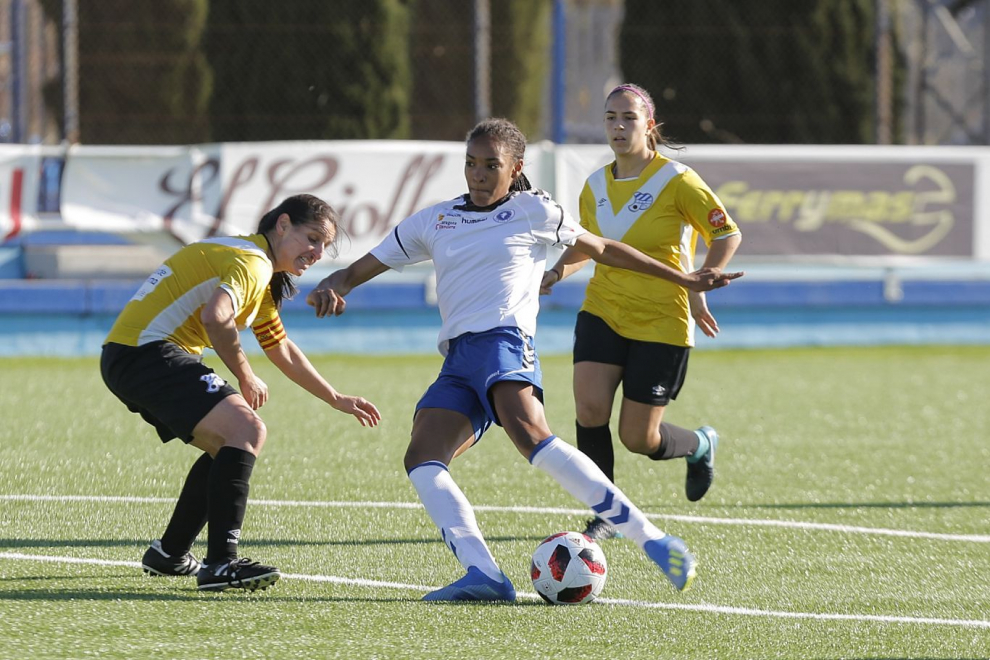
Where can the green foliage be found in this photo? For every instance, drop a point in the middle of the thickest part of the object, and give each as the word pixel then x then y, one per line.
pixel 443 106
pixel 143 75
pixel 310 70
pixel 774 71
pixel 521 34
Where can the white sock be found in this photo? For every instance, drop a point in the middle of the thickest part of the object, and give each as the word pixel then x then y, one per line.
pixel 452 513
pixel 580 477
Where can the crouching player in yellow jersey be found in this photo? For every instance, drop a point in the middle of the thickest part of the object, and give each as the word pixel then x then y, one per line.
pixel 634 329
pixel 152 361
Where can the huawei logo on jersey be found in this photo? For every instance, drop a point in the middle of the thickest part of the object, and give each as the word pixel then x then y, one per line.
pixel 716 217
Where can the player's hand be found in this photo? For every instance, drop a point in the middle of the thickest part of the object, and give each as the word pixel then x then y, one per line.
pixel 701 314
pixel 255 391
pixel 326 301
pixel 364 410
pixel 549 279
pixel 707 279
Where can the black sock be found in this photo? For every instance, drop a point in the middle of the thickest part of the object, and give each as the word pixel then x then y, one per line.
pixel 228 499
pixel 596 443
pixel 189 517
pixel 675 442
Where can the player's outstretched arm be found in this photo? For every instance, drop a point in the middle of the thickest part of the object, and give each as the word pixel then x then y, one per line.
pixel 570 262
pixel 620 255
pixel 292 362
pixel 328 296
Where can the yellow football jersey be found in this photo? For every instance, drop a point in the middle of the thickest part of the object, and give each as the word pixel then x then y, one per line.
pixel 660 213
pixel 168 305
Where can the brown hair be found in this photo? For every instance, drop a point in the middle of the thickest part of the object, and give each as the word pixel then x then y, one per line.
pixel 302 210
pixel 508 135
pixel 655 136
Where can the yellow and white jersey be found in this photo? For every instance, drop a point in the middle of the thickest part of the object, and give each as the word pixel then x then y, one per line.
pixel 660 213
pixel 167 307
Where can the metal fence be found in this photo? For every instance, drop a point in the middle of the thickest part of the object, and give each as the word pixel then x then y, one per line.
pixel 944 46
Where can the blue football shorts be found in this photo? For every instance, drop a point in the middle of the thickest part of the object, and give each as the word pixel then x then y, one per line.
pixel 475 361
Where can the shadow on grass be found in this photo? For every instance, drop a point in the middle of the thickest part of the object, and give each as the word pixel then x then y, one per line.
pixel 248 542
pixel 867 505
pixel 191 596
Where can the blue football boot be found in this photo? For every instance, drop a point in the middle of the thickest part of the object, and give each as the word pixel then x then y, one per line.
pixel 475 586
pixel 672 556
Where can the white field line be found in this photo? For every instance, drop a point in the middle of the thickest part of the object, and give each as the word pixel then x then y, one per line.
pixel 621 602
pixel 701 520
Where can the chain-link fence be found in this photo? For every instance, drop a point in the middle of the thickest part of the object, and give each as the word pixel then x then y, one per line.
pixel 747 71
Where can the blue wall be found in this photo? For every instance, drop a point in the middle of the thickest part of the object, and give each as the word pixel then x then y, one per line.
pixel 71 318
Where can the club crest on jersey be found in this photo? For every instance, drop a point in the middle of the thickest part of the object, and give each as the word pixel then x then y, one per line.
pixel 213 382
pixel 716 218
pixel 504 216
pixel 641 201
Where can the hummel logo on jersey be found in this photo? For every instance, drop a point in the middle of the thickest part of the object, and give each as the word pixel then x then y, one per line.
pixel 213 382
pixel 602 202
pixel 471 221
pixel 641 201
pixel 659 390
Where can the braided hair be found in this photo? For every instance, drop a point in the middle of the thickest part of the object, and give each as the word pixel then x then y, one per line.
pixel 508 135
pixel 302 210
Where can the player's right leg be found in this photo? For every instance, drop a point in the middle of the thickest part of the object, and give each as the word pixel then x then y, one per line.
pixel 438 435
pixel 599 356
pixel 234 434
pixel 595 384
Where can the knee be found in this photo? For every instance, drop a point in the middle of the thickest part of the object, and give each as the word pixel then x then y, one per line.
pixel 250 436
pixel 639 440
pixel 419 452
pixel 591 414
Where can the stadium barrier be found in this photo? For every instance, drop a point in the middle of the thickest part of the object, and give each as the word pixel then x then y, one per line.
pixel 842 244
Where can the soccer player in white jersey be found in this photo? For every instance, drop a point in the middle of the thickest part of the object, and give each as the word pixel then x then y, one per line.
pixel 631 328
pixel 152 361
pixel 489 248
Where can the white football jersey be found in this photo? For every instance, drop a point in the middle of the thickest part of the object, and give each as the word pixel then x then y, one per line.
pixel 489 262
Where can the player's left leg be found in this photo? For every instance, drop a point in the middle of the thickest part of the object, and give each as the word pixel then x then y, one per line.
pixel 653 377
pixel 523 418
pixel 171 555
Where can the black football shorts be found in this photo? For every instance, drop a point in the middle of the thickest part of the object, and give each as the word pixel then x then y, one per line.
pixel 653 372
pixel 170 388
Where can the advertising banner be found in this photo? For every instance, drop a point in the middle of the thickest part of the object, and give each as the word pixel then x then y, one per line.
pixel 224 189
pixel 827 201
pixel 793 202
pixel 21 168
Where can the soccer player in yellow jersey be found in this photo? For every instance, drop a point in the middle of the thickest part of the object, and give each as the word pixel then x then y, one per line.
pixel 152 361
pixel 637 330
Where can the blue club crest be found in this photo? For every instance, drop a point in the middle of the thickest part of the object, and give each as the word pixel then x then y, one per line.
pixel 641 201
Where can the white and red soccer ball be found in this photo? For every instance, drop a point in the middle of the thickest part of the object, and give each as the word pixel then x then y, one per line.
pixel 568 569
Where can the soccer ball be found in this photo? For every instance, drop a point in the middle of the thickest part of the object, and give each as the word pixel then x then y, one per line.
pixel 568 569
